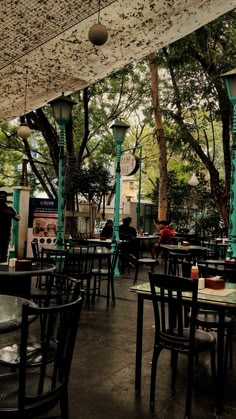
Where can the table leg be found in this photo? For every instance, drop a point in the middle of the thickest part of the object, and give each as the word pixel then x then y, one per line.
pixel 220 365
pixel 139 342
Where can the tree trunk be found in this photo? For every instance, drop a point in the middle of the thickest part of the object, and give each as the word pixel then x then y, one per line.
pixel 160 138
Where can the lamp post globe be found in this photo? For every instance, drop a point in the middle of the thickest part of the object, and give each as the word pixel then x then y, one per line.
pixel 119 129
pixel 230 82
pixel 61 108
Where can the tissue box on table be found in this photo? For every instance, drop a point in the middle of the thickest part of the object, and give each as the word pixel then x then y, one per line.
pixel 215 283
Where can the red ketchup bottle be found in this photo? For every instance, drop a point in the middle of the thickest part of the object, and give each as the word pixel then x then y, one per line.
pixel 194 272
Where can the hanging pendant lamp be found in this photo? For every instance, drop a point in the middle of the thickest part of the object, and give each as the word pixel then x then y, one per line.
pixel 98 33
pixel 24 130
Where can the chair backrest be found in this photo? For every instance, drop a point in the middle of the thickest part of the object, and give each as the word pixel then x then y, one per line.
pixel 48 380
pixel 35 250
pixel 169 297
pixel 80 260
pixel 55 256
pixel 60 289
pixel 176 260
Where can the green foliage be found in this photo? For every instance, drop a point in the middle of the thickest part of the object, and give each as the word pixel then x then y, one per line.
pixel 92 182
pixel 186 202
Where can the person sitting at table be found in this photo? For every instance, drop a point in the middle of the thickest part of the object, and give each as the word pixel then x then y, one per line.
pixel 167 232
pixel 107 231
pixel 7 214
pixel 126 229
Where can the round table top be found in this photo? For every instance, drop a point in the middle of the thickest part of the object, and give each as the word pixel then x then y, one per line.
pixel 36 268
pixel 11 312
pixel 148 236
pixel 185 248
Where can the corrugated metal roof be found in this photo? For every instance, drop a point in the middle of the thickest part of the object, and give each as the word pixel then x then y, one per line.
pixel 50 38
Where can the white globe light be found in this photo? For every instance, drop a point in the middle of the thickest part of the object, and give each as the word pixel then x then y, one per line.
pixel 24 131
pixel 193 181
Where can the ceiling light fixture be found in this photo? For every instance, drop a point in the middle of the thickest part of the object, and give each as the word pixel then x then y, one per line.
pixel 24 130
pixel 98 33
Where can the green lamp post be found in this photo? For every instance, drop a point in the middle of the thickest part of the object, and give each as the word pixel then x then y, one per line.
pixel 119 129
pixel 230 81
pixel 61 108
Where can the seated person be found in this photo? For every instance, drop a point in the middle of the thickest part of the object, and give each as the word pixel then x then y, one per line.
pixel 107 230
pixel 126 229
pixel 165 238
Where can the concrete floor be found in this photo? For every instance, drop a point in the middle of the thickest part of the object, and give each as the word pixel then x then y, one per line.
pixel 102 376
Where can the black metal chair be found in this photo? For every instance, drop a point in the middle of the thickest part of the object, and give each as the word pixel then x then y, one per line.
pixel 136 263
pixel 171 333
pixel 31 392
pixel 35 250
pixel 60 290
pixel 55 256
pixel 175 262
pixel 79 264
pixel 106 274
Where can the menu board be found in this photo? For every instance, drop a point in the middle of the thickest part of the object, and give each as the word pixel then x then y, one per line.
pixel 42 223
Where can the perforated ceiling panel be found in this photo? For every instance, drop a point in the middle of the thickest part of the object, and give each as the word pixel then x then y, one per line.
pixel 50 38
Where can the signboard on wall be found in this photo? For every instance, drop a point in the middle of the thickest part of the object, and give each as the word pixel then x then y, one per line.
pixel 129 164
pixel 42 223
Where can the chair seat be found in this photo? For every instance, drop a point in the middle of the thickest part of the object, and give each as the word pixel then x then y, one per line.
pixel 148 261
pixel 9 390
pixel 202 339
pixel 10 355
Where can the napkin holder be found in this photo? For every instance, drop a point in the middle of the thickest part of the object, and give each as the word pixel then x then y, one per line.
pixel 23 265
pixel 215 283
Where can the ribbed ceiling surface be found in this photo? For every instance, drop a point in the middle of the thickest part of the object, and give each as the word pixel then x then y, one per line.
pixel 28 24
pixel 48 39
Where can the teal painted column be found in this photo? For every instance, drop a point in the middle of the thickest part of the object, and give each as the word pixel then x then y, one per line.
pixel 231 251
pixel 139 189
pixel 61 108
pixel 116 235
pixel 60 224
pixel 119 130
pixel 15 224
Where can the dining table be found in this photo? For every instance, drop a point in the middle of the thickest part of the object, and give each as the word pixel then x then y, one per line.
pixel 219 300
pixel 35 268
pixel 19 282
pixel 195 250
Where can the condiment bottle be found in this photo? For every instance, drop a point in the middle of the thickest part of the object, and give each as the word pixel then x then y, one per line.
pixel 141 232
pixel 194 272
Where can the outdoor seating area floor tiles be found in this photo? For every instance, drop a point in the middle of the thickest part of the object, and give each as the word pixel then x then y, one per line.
pixel 102 375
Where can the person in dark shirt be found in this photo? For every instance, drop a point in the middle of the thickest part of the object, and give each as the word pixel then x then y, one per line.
pixel 6 216
pixel 166 234
pixel 107 231
pixel 126 229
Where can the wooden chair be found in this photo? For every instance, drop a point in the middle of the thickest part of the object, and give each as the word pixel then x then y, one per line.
pixel 171 333
pixel 31 392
